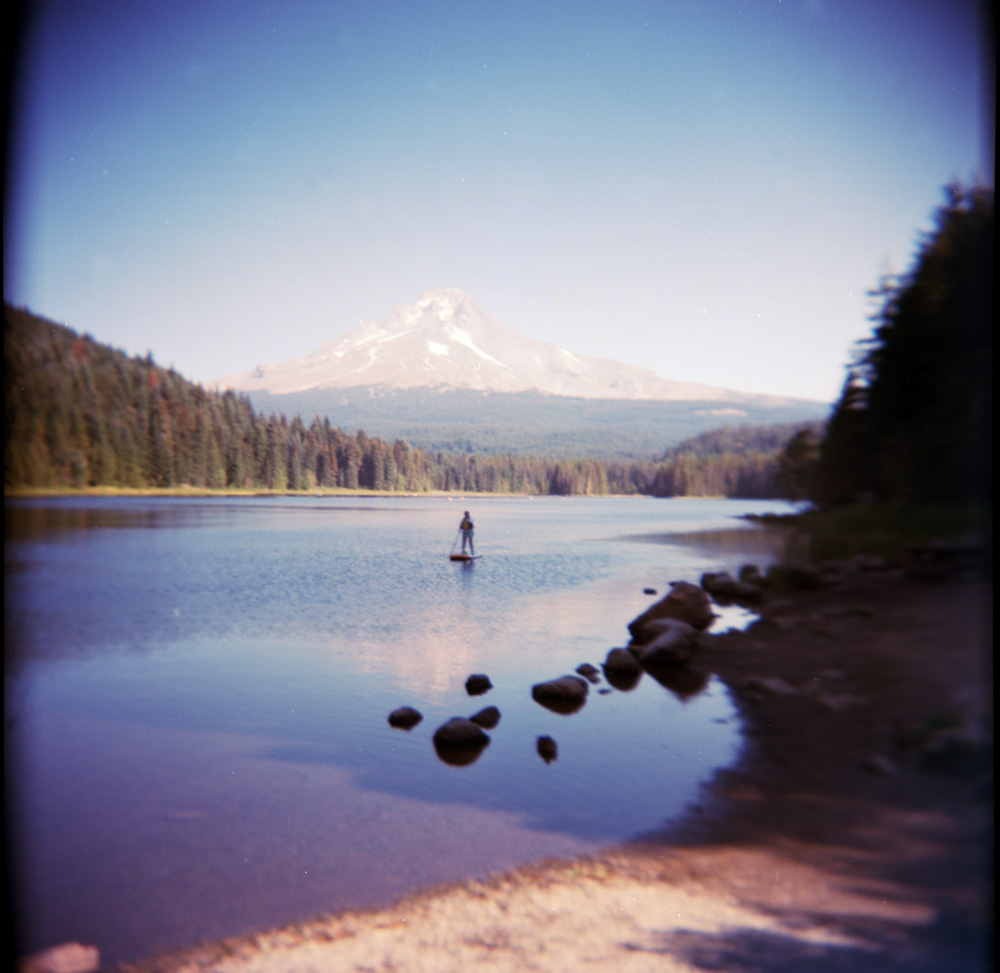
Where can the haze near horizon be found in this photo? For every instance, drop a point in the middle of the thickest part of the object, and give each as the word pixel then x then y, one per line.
pixel 708 190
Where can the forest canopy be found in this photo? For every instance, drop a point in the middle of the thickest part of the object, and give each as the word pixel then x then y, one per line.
pixel 81 415
pixel 913 422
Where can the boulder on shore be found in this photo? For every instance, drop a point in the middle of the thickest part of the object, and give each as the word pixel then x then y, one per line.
pixel 564 695
pixel 793 577
pixel 723 585
pixel 673 643
pixel 684 682
pixel 686 602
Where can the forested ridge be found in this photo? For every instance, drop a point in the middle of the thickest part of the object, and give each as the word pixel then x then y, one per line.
pixel 532 423
pixel 914 421
pixel 79 414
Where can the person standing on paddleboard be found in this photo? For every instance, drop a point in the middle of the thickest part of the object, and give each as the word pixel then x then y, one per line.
pixel 467 529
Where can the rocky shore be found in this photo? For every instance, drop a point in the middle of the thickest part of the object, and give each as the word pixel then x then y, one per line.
pixel 855 832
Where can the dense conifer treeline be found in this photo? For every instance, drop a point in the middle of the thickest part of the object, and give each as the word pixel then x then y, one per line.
pixel 914 421
pixel 79 414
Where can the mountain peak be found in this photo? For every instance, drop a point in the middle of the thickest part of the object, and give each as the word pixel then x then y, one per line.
pixel 443 299
pixel 445 340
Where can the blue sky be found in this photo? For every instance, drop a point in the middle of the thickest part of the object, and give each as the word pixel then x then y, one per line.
pixel 707 188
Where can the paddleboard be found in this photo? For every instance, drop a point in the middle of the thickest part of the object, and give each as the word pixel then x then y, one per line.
pixel 465 557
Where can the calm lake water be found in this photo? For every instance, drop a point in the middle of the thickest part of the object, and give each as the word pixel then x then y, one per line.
pixel 197 693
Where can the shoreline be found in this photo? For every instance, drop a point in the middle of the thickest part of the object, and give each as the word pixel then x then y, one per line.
pixel 854 831
pixel 53 493
pixel 200 493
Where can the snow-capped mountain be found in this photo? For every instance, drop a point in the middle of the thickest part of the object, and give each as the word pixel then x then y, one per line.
pixel 442 373
pixel 447 341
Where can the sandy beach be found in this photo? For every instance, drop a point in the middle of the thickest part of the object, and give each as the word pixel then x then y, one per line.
pixel 854 833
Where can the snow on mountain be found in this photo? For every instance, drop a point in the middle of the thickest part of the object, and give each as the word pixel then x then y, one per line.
pixel 447 341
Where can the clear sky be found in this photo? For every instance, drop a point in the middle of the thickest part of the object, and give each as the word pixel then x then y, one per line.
pixel 708 188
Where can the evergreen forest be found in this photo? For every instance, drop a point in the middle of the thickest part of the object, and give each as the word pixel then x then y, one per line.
pixel 80 415
pixel 912 425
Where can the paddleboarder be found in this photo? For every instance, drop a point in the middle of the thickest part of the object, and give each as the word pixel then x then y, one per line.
pixel 467 528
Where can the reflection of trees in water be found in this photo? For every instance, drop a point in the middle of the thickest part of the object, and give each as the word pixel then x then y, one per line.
pixel 765 543
pixel 30 522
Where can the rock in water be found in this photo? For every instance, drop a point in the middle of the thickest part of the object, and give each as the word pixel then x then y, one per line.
pixel 547 749
pixel 477 684
pixel 460 732
pixel 405 718
pixel 487 718
pixel 683 681
pixel 459 742
pixel 622 669
pixel 686 602
pixel 673 643
pixel 565 695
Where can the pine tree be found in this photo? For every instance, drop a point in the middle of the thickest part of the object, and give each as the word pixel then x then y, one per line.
pixel 913 421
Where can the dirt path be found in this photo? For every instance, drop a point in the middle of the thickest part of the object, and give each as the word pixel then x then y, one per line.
pixel 854 834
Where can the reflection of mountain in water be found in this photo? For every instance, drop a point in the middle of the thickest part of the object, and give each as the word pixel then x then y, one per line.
pixel 445 642
pixel 434 657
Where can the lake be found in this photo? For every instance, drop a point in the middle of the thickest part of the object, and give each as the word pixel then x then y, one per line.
pixel 197 696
